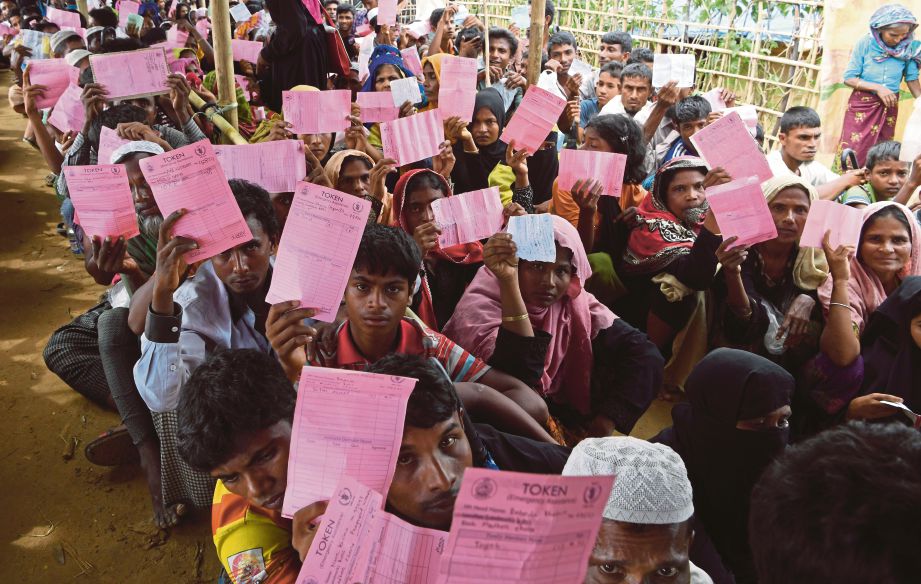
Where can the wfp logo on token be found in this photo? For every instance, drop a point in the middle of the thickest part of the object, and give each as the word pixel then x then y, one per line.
pixel 200 150
pixel 356 207
pixel 484 489
pixel 345 497
pixel 592 492
pixel 115 170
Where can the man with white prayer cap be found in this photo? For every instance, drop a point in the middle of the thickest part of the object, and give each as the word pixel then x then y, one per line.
pixel 646 533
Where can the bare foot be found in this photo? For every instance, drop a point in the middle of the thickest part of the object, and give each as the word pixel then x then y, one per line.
pixel 164 517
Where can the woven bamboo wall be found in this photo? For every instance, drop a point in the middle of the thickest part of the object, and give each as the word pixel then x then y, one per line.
pixel 739 53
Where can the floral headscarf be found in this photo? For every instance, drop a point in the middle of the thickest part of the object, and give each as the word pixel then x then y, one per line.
pixel 658 236
pixel 890 15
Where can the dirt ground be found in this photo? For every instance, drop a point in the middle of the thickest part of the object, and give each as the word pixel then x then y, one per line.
pixel 64 519
pixel 53 507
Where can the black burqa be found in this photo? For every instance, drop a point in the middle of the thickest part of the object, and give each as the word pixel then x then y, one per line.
pixel 891 358
pixel 471 171
pixel 297 51
pixel 723 462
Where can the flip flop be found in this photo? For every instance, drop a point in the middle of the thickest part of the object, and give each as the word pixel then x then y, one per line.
pixel 112 448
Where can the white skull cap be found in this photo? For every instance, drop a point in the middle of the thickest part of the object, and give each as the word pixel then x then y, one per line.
pixel 131 147
pixel 651 484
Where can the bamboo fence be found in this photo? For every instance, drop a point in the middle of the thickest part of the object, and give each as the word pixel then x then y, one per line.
pixel 735 45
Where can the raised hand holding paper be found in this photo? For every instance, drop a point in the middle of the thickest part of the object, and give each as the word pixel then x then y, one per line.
pixel 276 166
pixel 413 138
pixel 457 92
pixel 468 217
pixel 131 73
pixel 533 236
pixel 190 178
pixel 521 17
pixel 240 13
pixel 62 18
pixel 54 74
pixel 517 527
pixel 35 41
pixel 243 82
pixel 377 106
pixel 403 90
pixel 843 221
pixel 605 167
pixel 69 112
pixel 580 67
pixel 749 115
pixel 346 423
pixel 102 197
pixel 742 211
pixel 535 117
pixel 108 143
pixel 363 543
pixel 715 98
pixel 125 9
pixel 245 50
pixel 411 60
pixel 317 249
pixel 673 67
pixel 203 26
pixel 387 12
pixel 727 143
pixel 177 35
pixel 317 112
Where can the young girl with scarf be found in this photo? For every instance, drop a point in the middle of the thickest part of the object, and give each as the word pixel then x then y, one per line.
pixel 535 321
pixel 446 272
pixel 483 159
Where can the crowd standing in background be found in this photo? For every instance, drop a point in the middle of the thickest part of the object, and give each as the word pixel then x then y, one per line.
pixel 542 261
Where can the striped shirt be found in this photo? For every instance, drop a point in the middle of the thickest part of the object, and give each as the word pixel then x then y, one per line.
pixel 413 339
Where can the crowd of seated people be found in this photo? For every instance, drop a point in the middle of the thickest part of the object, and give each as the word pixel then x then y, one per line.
pixel 791 457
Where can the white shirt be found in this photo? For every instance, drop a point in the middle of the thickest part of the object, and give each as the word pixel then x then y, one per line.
pixel 204 324
pixel 549 82
pixel 814 173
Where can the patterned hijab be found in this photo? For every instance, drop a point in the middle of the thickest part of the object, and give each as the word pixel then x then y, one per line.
pixel 891 15
pixel 659 237
pixel 468 253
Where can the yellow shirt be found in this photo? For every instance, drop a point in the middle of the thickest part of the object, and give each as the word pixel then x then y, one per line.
pixel 251 539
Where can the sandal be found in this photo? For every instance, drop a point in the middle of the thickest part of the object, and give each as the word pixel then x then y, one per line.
pixel 112 448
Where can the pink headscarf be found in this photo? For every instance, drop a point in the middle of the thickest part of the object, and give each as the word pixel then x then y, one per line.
pixel 864 289
pixel 573 321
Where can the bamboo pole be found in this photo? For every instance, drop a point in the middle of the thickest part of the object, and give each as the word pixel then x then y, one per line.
pixel 536 40
pixel 82 9
pixel 226 129
pixel 223 58
pixel 486 44
pixel 753 63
